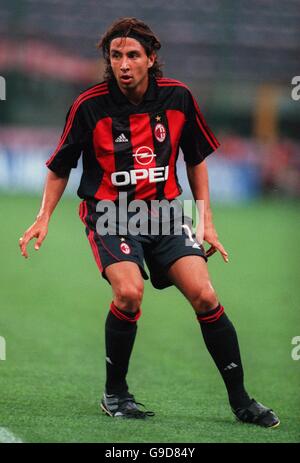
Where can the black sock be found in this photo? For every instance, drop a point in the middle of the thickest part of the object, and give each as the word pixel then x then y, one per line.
pixel 120 332
pixel 222 343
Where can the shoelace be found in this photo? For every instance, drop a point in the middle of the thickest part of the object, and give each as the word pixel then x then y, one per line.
pixel 134 411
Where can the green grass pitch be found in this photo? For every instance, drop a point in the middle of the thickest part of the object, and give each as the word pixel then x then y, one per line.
pixel 53 308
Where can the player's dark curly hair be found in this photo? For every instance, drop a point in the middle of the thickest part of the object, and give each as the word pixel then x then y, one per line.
pixel 136 28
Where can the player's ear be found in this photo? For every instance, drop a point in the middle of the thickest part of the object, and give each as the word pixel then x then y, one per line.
pixel 151 59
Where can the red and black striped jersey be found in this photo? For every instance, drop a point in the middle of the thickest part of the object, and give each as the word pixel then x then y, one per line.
pixel 132 148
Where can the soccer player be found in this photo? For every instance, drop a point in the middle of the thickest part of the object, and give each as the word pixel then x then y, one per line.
pixel 129 129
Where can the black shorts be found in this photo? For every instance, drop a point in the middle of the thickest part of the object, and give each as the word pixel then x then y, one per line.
pixel 158 251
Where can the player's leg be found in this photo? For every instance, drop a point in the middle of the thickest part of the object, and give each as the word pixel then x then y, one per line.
pixel 120 260
pixel 120 332
pixel 191 276
pixel 184 265
pixel 121 322
pixel 127 285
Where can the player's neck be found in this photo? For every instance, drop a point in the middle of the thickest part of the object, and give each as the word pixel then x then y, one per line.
pixel 136 95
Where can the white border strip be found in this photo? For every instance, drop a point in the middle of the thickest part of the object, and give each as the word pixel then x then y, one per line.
pixel 7 437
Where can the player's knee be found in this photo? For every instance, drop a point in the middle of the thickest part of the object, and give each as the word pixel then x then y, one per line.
pixel 205 298
pixel 129 297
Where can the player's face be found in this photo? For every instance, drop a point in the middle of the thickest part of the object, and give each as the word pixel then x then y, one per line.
pixel 130 64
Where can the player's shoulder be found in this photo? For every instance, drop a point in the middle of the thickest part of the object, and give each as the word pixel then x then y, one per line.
pixel 99 88
pixel 89 94
pixel 176 85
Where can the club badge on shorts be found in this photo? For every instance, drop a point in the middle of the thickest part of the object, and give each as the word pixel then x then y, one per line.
pixel 125 248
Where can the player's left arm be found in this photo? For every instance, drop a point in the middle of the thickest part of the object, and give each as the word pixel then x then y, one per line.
pixel 198 180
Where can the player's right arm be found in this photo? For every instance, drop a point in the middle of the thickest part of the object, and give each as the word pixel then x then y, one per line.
pixel 53 190
pixel 64 158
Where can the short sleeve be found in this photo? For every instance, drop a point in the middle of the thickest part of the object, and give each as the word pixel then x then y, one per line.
pixel 197 140
pixel 70 145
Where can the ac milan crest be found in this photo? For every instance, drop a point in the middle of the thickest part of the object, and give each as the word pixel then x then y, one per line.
pixel 125 248
pixel 160 132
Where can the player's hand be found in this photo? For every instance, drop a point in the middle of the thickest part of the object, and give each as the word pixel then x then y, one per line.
pixel 38 230
pixel 211 237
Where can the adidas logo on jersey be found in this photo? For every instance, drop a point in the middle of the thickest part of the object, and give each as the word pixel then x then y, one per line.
pixel 121 138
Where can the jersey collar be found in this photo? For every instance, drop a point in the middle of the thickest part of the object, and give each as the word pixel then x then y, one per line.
pixel 119 97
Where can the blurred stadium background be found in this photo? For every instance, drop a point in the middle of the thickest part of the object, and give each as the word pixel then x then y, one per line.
pixel 239 58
